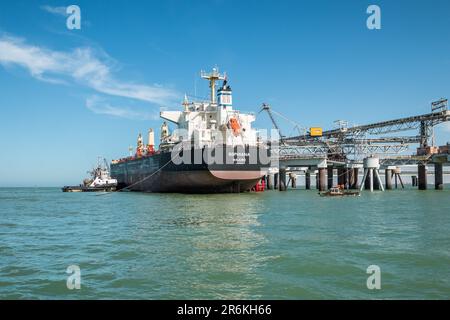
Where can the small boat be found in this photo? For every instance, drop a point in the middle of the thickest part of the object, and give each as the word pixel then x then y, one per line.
pixel 100 180
pixel 339 192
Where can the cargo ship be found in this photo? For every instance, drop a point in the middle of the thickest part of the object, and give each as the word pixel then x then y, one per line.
pixel 213 149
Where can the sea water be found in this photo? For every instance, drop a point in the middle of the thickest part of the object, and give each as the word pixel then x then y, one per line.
pixel 268 245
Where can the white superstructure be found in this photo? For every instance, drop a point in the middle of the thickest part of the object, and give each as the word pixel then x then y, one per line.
pixel 212 122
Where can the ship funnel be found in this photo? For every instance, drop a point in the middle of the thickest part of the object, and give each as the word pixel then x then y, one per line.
pixel 151 142
pixel 225 95
pixel 151 137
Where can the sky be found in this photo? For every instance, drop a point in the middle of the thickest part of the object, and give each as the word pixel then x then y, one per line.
pixel 68 96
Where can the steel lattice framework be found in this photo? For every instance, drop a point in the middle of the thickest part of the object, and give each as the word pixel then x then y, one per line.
pixel 404 124
pixel 287 151
pixel 357 141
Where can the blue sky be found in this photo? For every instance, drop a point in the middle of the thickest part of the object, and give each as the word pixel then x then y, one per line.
pixel 67 96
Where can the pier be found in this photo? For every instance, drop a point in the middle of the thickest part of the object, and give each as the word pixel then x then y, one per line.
pixel 373 150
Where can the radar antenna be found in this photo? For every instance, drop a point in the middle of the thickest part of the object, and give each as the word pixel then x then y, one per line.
pixel 212 77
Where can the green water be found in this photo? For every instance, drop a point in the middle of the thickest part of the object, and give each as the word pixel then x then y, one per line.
pixel 272 245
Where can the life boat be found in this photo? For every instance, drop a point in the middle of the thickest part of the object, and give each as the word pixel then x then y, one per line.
pixel 235 126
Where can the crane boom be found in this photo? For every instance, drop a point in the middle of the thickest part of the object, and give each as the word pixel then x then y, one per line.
pixel 266 107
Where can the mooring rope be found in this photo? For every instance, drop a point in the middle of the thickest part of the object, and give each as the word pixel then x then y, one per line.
pixel 142 180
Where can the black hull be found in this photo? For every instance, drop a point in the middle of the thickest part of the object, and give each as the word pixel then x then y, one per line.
pixel 158 173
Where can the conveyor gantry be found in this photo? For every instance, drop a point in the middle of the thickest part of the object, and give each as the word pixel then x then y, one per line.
pixel 404 124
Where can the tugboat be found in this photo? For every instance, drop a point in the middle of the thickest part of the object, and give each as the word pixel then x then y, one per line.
pixel 100 180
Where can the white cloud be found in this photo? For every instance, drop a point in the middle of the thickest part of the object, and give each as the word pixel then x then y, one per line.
pixel 101 106
pixel 82 66
pixel 61 11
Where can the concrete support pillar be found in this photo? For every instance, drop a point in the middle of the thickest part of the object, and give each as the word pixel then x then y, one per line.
pixel 376 183
pixel 307 180
pixel 371 179
pixel 350 178
pixel 322 179
pixel 317 180
pixel 354 181
pixel 270 181
pixel 293 178
pixel 438 176
pixel 282 184
pixel 367 181
pixel 378 178
pixel 340 178
pixel 364 180
pixel 345 177
pixel 371 176
pixel 330 177
pixel 422 169
pixel 397 174
pixel 388 178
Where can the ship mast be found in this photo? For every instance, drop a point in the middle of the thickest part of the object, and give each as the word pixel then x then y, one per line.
pixel 212 77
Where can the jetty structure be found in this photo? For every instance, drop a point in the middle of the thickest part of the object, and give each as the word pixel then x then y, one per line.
pixel 346 151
